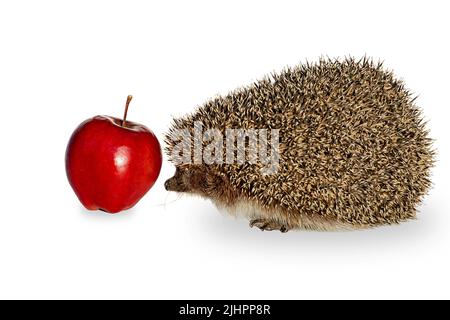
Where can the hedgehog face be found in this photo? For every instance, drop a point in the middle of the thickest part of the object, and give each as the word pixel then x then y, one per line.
pixel 187 179
pixel 202 181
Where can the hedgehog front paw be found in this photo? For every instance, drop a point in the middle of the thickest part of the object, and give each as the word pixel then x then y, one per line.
pixel 268 225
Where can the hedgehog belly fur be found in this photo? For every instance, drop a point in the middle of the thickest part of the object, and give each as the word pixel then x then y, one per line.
pixel 250 210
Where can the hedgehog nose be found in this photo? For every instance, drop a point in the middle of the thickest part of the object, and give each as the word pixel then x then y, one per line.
pixel 166 185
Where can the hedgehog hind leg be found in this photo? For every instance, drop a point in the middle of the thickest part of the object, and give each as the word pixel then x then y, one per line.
pixel 268 225
pixel 262 218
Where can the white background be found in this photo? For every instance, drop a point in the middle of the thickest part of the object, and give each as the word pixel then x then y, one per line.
pixel 62 62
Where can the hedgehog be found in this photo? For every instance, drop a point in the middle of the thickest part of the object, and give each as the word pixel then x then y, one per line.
pixel 352 149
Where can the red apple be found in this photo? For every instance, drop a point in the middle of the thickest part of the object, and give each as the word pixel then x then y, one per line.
pixel 111 163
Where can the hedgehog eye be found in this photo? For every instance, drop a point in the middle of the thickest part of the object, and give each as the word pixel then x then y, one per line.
pixel 180 170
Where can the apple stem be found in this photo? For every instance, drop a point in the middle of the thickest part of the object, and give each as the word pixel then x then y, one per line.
pixel 124 121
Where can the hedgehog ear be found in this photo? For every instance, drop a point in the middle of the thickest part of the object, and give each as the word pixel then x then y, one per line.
pixel 196 179
pixel 219 188
pixel 213 180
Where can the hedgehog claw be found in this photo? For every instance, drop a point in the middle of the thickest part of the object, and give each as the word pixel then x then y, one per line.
pixel 267 225
pixel 256 222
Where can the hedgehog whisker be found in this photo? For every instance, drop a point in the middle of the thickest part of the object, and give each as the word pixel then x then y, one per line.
pixel 170 202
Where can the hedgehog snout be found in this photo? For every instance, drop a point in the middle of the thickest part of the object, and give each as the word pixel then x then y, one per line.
pixel 174 184
pixel 169 184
